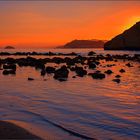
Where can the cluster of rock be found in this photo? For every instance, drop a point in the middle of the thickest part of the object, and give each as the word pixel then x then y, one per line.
pixel 37 53
pixel 9 69
pixel 78 64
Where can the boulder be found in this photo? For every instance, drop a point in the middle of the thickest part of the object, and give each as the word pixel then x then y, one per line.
pixel 91 53
pixel 92 65
pixel 117 76
pixel 61 73
pixel 80 71
pixel 30 79
pixel 43 72
pixel 116 80
pixel 108 72
pixel 50 69
pixel 7 72
pixel 122 70
pixel 98 75
pixel 129 65
pixel 9 66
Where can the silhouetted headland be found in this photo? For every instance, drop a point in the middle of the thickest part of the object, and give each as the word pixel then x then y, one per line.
pixel 84 44
pixel 128 40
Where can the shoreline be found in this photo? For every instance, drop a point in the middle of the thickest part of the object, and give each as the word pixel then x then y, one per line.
pixel 10 130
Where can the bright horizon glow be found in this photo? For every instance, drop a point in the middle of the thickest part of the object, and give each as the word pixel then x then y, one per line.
pixel 54 23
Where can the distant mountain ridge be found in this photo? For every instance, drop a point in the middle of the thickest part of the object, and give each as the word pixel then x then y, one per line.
pixel 128 40
pixel 85 44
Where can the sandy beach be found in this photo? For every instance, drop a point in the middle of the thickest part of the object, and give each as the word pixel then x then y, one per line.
pixel 11 131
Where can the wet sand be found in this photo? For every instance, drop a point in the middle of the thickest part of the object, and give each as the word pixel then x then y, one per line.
pixel 11 131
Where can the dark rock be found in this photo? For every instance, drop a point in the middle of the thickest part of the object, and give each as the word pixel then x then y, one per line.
pixel 7 72
pixel 129 65
pixel 98 71
pixel 117 76
pixel 61 73
pixel 62 79
pixel 69 61
pixel 108 72
pixel 116 80
pixel 98 75
pixel 50 69
pixel 90 74
pixel 80 71
pixel 57 60
pixel 85 67
pixel 39 65
pixel 91 53
pixel 72 68
pixel 11 66
pixel 97 62
pixel 9 61
pixel 92 65
pixel 30 79
pixel 43 72
pixel 122 70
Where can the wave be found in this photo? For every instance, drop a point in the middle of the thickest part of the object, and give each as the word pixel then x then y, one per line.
pixel 71 132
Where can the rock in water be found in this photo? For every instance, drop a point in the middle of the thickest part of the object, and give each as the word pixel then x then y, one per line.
pixel 116 80
pixel 117 76
pixel 122 70
pixel 98 75
pixel 108 72
pixel 80 71
pixel 61 74
pixel 91 53
pixel 92 65
pixel 128 40
pixel 7 72
pixel 30 79
pixel 50 69
pixel 11 66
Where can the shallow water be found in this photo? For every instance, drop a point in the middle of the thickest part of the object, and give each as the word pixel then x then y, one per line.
pixel 100 109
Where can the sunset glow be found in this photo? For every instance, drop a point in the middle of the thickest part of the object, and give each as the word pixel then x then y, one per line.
pixel 48 24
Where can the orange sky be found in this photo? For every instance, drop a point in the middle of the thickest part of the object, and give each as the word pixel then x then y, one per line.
pixel 44 24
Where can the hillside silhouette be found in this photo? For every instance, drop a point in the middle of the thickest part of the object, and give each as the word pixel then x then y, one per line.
pixel 128 40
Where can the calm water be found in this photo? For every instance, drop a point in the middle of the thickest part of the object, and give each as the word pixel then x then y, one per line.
pixel 99 109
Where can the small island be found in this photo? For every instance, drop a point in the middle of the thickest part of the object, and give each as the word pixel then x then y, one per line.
pixel 9 47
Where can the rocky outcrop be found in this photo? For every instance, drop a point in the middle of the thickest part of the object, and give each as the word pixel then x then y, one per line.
pixel 84 44
pixel 128 40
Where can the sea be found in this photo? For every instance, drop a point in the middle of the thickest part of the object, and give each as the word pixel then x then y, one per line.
pixel 76 109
